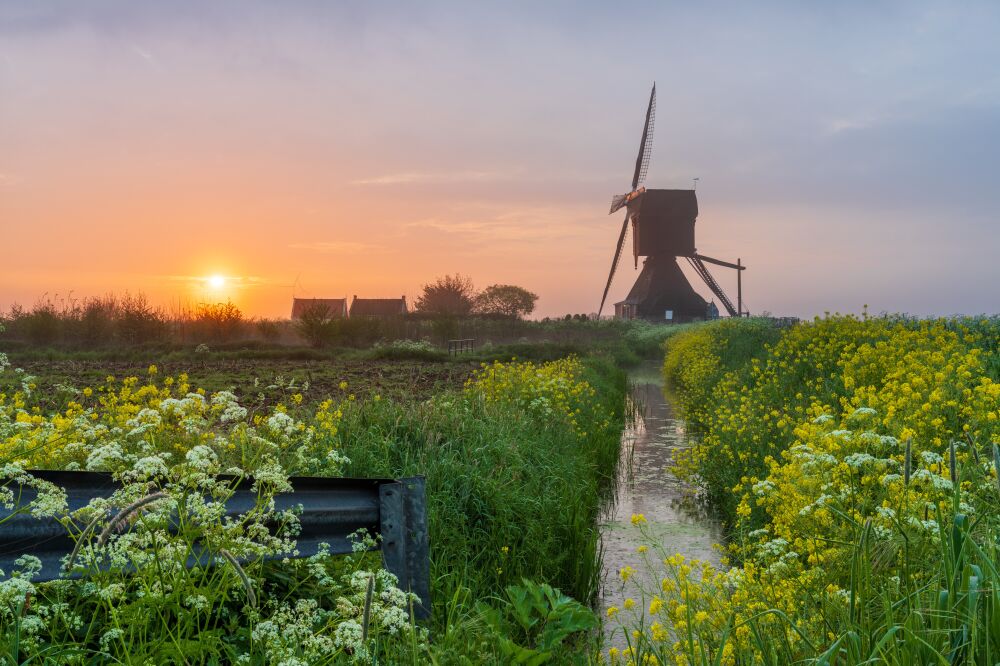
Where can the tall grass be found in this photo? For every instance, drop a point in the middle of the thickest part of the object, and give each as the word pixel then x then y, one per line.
pixel 509 496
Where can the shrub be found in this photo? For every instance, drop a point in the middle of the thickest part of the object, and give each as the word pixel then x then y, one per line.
pixel 316 325
pixel 218 322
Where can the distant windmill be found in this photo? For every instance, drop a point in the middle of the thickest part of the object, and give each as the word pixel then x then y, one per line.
pixel 662 231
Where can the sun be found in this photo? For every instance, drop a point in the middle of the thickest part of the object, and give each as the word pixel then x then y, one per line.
pixel 217 281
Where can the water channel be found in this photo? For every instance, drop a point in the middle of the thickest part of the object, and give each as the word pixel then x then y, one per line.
pixel 647 486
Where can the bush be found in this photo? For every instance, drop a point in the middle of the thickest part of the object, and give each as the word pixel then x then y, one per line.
pixel 420 350
pixel 316 325
pixel 218 322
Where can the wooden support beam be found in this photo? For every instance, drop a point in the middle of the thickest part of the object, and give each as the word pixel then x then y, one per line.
pixel 718 262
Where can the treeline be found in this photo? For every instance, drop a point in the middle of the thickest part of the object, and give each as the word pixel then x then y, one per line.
pixel 129 320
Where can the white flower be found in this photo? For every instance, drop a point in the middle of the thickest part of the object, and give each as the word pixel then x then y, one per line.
pixel 196 602
pixel 106 457
pixel 282 423
pixel 146 419
pixel 230 406
pixel 201 457
pixel 109 636
pixel 272 474
pixel 149 467
pixel 348 635
pixel 930 458
pixel 863 411
pixel 857 460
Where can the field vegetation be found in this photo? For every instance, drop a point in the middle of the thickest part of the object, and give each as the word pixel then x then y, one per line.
pixel 517 453
pixel 854 462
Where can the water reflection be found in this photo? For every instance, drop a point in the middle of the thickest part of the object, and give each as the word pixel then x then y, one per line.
pixel 647 486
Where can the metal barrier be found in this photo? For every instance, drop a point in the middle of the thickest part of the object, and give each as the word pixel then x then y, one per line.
pixel 332 510
pixel 456 347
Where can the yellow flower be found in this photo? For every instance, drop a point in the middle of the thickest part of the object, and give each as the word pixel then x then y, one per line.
pixel 655 606
pixel 638 519
pixel 612 611
pixel 152 369
pixel 629 603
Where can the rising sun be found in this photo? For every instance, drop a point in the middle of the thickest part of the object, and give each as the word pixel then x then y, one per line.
pixel 216 281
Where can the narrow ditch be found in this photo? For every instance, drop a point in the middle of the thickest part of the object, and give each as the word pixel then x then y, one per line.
pixel 646 485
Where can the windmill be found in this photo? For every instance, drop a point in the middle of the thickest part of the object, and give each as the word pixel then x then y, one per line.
pixel 663 231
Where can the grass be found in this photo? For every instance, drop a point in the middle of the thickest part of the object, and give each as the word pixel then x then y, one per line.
pixel 515 478
pixel 507 498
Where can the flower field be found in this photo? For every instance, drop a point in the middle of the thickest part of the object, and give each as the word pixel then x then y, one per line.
pixel 515 464
pixel 854 461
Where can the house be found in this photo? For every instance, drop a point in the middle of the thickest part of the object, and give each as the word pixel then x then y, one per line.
pixel 335 308
pixel 378 307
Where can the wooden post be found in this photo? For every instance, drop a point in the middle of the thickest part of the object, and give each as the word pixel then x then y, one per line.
pixel 739 287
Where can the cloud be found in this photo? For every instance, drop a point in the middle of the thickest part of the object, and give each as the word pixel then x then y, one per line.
pixel 508 226
pixel 848 123
pixel 231 281
pixel 425 178
pixel 335 247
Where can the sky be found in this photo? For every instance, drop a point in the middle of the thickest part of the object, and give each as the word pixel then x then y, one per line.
pixel 848 153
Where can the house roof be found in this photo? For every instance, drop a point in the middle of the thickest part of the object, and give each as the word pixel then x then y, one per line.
pixel 336 307
pixel 378 307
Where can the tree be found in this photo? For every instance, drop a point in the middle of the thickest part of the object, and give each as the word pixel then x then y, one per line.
pixel 507 300
pixel 451 295
pixel 219 322
pixel 315 324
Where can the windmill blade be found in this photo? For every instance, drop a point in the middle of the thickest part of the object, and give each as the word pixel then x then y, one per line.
pixel 646 145
pixel 617 202
pixel 614 264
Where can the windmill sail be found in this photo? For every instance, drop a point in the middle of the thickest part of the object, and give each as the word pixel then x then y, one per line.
pixel 641 167
pixel 614 263
pixel 646 145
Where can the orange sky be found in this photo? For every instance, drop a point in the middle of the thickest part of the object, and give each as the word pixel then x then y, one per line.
pixel 331 151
